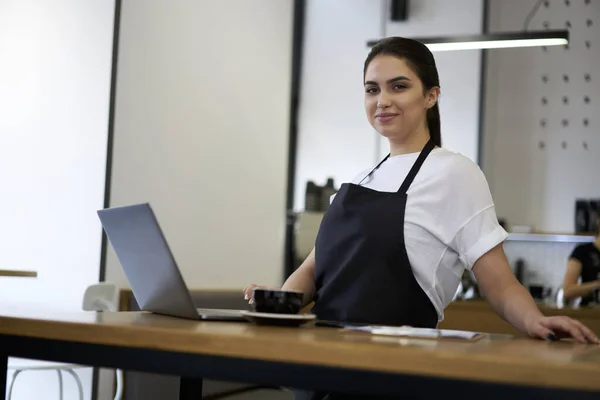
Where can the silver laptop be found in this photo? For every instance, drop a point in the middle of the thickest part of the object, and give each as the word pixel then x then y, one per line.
pixel 155 279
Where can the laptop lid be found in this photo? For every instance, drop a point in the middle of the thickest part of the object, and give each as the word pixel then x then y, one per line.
pixel 144 255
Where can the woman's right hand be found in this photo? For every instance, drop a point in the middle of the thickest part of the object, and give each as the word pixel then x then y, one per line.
pixel 248 292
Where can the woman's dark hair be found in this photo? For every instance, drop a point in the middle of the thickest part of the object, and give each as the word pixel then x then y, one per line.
pixel 420 59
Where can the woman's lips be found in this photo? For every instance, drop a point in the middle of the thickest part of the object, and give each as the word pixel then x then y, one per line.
pixel 384 117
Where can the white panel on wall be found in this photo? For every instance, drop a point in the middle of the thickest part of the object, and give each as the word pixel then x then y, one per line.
pixel 55 84
pixel 541 140
pixel 201 132
pixel 335 138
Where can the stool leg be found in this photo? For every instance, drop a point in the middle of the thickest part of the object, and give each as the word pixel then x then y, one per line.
pixel 12 382
pixel 190 388
pixel 77 380
pixel 60 384
pixel 119 389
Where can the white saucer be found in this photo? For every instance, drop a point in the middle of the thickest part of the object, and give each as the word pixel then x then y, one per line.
pixel 278 319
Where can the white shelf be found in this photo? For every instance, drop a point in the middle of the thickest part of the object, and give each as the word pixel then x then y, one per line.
pixel 550 237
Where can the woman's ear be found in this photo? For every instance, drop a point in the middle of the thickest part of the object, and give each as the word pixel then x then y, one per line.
pixel 432 97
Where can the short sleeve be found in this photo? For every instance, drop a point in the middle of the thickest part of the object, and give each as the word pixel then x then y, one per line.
pixel 478 230
pixel 579 253
pixel 478 236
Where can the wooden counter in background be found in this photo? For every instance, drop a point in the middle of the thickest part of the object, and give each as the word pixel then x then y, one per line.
pixel 477 315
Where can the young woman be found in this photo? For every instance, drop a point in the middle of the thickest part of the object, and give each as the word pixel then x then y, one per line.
pixel 395 241
pixel 584 263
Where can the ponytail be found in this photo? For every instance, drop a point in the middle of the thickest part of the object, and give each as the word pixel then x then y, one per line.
pixel 434 125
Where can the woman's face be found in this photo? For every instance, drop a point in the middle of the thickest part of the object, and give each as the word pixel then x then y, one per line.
pixel 395 101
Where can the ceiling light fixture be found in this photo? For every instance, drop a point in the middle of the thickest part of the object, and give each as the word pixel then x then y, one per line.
pixel 494 40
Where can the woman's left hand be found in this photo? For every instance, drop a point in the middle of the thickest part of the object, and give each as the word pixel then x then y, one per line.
pixel 554 328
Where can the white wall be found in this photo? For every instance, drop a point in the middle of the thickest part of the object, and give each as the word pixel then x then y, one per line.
pixel 335 138
pixel 201 132
pixel 531 185
pixel 54 97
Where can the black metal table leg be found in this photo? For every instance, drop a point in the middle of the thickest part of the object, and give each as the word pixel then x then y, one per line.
pixel 190 388
pixel 3 372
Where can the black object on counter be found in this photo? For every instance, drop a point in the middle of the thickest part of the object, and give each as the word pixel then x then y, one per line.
pixel 317 198
pixel 312 199
pixel 539 292
pixel 520 270
pixel 593 216
pixel 326 192
pixel 582 216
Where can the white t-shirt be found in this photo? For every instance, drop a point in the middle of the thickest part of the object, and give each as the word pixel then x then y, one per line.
pixel 450 218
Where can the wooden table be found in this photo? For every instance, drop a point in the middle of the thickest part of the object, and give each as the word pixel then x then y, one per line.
pixel 17 273
pixel 308 357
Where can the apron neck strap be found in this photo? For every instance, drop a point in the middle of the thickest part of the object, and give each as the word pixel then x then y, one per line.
pixel 374 169
pixel 413 172
pixel 416 166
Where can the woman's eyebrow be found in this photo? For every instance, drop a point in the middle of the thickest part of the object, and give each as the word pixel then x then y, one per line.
pixel 396 79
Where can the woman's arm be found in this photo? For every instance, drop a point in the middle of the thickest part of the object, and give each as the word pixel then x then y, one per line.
pixel 302 280
pixel 571 288
pixel 511 301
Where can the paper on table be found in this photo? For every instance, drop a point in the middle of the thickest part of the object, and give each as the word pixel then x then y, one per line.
pixel 415 332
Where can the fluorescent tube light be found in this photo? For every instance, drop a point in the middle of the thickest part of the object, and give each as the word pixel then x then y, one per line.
pixel 494 40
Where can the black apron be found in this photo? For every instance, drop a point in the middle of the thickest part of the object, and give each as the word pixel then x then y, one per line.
pixel 362 271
